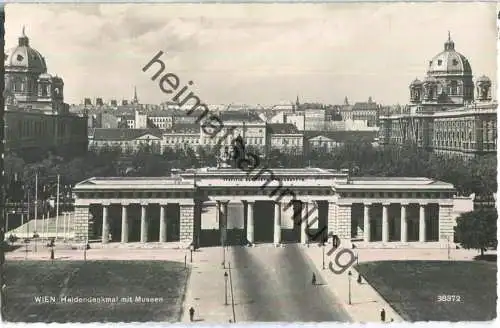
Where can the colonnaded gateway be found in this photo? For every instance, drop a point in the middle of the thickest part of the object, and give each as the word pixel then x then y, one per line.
pixel 213 205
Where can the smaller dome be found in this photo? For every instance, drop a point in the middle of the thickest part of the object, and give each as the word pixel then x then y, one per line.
pixel 430 79
pixel 416 82
pixel 483 79
pixel 44 76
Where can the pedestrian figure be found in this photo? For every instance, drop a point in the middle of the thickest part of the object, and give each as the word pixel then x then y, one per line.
pixel 191 314
pixel 314 279
pixel 382 315
pixel 359 278
pixel 392 320
pixel 52 254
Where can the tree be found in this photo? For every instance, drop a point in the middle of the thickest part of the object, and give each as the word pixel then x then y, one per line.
pixel 477 229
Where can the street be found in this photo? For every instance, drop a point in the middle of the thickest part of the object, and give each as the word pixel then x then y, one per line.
pixel 275 284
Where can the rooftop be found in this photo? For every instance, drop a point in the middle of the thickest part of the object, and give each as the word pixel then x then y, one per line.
pixel 184 128
pixel 305 177
pixel 239 116
pixel 123 133
pixel 365 106
pixel 133 182
pixel 282 128
pixel 276 172
pixel 393 183
pixel 342 135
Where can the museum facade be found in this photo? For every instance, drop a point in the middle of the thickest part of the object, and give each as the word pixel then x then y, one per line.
pixel 37 120
pixel 450 112
pixel 214 206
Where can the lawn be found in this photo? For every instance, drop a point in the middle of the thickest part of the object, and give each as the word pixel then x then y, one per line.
pixel 27 281
pixel 412 288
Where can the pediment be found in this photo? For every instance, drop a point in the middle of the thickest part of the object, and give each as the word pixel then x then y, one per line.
pixel 320 138
pixel 148 137
pixel 86 183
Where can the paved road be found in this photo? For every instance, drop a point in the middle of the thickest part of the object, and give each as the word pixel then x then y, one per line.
pixel 275 285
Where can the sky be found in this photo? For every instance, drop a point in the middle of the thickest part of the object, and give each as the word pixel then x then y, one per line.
pixel 253 53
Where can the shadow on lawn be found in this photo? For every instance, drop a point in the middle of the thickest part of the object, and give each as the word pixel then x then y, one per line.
pixel 486 257
pixel 10 248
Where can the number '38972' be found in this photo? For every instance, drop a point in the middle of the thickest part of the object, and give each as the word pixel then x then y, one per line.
pixel 449 298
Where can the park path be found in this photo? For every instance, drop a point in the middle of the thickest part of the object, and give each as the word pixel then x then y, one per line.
pixel 206 286
pixel 366 302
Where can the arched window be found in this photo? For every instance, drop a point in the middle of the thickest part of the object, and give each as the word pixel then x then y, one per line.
pixel 17 85
pixel 43 88
pixel 454 87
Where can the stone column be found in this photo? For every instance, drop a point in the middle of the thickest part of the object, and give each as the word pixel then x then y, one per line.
pixel 277 223
pixel 105 224
pixel 223 220
pixel 144 224
pixel 446 222
pixel 404 225
pixel 344 222
pixel 385 223
pixel 421 226
pixel 163 225
pixel 332 218
pixel 303 223
pixel 187 222
pixel 366 222
pixel 124 224
pixel 250 223
pixel 82 227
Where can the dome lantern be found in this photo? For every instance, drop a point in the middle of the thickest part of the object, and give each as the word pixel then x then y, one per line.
pixel 24 41
pixel 449 45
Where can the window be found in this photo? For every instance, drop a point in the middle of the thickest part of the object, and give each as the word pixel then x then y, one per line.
pixel 455 62
pixel 454 88
pixel 440 62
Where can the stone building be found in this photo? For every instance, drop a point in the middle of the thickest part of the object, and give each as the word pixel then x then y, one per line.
pixel 286 138
pixel 448 113
pixel 37 118
pixel 229 206
pixel 129 140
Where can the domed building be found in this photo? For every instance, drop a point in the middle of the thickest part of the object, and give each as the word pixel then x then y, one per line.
pixel 37 119
pixel 27 83
pixel 449 81
pixel 448 112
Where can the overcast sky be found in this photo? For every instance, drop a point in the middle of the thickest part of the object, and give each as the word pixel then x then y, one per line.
pixel 257 54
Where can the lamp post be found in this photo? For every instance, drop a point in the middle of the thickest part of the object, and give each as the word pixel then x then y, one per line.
pixel 448 247
pixel 349 274
pixel 35 237
pixel 26 242
pixel 85 247
pixel 7 220
pixel 323 256
pixel 225 288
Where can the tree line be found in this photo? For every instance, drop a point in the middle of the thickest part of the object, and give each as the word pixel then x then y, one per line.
pixel 362 159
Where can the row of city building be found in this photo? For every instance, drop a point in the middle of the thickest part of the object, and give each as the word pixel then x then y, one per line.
pixel 449 112
pixel 362 116
pixel 256 133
